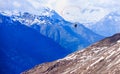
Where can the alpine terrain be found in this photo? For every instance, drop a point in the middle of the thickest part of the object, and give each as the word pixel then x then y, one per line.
pixel 72 36
pixel 22 47
pixel 27 40
pixel 102 57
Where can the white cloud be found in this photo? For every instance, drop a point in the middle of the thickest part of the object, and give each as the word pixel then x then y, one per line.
pixel 93 10
pixel 16 4
pixel 74 10
pixel 35 3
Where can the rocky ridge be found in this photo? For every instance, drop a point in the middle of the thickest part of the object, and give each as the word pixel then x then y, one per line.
pixel 102 57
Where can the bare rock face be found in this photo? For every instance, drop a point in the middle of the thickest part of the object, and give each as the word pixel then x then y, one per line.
pixel 102 57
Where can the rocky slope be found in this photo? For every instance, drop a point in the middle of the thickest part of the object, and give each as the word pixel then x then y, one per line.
pixel 102 57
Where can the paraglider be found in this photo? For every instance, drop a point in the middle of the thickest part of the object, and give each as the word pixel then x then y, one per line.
pixel 75 25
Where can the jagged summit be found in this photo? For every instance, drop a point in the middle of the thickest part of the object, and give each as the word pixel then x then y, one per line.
pixel 22 47
pixel 102 57
pixel 24 40
pixel 52 25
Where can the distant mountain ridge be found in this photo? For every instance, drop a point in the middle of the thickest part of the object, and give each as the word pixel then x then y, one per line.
pixel 102 57
pixel 22 47
pixel 107 26
pixel 27 39
pixel 51 25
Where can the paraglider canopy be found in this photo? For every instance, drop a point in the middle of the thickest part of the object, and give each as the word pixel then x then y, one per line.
pixel 75 25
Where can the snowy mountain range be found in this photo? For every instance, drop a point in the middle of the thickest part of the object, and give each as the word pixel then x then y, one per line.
pixel 51 25
pixel 27 39
pixel 108 25
pixel 22 47
pixel 38 31
pixel 102 57
pixel 85 11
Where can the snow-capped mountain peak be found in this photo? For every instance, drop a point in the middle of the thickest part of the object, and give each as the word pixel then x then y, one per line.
pixel 58 29
pixel 107 26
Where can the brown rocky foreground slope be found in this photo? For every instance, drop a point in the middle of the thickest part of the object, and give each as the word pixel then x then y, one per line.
pixel 102 57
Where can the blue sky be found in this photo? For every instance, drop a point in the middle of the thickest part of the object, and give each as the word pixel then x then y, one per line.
pixel 84 11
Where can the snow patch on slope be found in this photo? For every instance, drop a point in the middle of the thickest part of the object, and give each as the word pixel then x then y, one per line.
pixel 70 57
